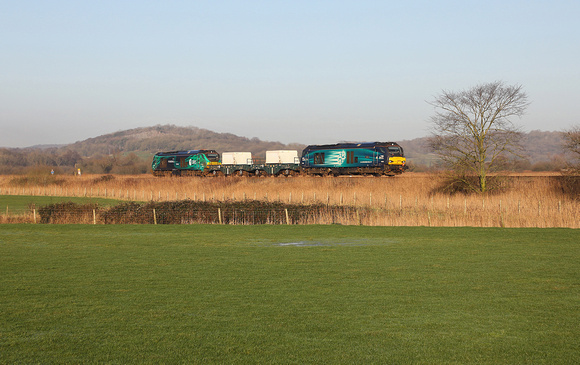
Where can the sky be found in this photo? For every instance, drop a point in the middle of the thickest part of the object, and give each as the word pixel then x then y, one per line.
pixel 303 71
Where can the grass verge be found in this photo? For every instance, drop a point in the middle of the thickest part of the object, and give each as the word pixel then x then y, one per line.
pixel 22 203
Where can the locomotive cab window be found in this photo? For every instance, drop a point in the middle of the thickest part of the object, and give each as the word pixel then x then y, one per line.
pixel 395 151
pixel 213 157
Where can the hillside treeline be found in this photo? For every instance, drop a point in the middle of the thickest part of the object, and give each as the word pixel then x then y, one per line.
pixel 131 151
pixel 172 138
pixel 44 161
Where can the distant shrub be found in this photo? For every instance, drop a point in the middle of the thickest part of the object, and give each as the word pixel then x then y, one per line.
pixel 103 179
pixel 67 212
pixel 464 184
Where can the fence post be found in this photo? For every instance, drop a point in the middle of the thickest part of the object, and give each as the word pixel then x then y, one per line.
pixel 154 217
pixel 94 217
pixel 34 213
pixel 220 215
pixel 287 218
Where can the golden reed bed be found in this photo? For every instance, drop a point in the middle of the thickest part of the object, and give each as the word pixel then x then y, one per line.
pixel 532 199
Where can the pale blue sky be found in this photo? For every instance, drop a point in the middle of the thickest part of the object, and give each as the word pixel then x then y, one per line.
pixel 291 71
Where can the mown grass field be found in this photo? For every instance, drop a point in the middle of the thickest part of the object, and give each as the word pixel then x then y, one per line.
pixel 288 294
pixel 22 203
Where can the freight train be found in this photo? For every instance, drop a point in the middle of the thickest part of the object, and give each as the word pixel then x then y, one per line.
pixel 371 158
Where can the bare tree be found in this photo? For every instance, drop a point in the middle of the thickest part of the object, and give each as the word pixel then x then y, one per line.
pixel 473 130
pixel 571 139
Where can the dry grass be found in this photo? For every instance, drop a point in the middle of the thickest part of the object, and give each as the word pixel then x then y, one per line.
pixel 406 200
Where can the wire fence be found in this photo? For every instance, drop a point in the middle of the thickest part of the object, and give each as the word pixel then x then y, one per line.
pixel 258 212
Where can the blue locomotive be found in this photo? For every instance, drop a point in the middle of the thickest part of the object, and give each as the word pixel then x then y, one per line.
pixel 371 158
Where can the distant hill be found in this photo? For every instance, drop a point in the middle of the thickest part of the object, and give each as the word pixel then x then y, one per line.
pixel 170 138
pixel 539 147
pixel 130 151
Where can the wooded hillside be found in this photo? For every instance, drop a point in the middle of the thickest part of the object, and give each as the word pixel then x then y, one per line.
pixel 131 151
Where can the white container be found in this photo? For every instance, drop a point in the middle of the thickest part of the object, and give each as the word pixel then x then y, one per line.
pixel 237 158
pixel 282 156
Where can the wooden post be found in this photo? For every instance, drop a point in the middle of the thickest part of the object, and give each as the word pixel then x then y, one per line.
pixel 34 213
pixel 287 218
pixel 154 217
pixel 94 217
pixel 220 215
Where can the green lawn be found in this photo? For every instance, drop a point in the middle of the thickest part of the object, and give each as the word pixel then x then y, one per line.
pixel 288 294
pixel 22 203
